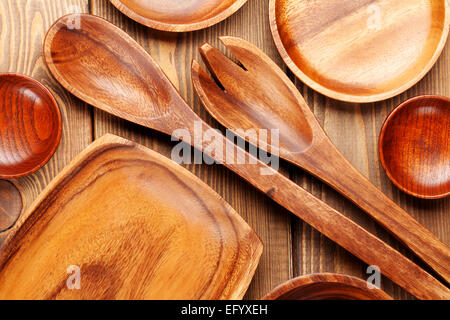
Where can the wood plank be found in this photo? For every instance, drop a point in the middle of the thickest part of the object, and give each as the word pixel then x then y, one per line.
pixel 291 247
pixel 355 129
pixel 23 26
pixel 174 52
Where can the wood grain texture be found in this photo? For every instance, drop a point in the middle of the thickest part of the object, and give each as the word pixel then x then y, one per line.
pixel 292 247
pixel 30 125
pixel 22 30
pixel 258 96
pixel 360 51
pixel 89 60
pixel 326 286
pixel 11 204
pixel 414 147
pixel 137 225
pixel 174 52
pixel 176 16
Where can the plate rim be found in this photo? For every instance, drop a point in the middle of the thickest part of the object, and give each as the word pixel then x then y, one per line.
pixel 184 27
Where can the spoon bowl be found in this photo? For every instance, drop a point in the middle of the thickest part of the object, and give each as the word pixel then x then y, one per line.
pixel 128 84
pixel 178 16
pixel 414 147
pixel 30 125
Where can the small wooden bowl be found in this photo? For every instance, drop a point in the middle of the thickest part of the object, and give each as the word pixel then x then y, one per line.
pixel 30 125
pixel 414 147
pixel 176 16
pixel 326 286
pixel 11 204
pixel 360 51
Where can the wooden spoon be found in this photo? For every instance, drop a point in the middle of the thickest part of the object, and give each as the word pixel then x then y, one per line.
pixel 176 15
pixel 360 50
pixel 261 96
pixel 102 65
pixel 414 147
pixel 132 225
pixel 30 125
pixel 326 286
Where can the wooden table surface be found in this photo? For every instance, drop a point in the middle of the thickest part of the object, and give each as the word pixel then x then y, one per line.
pixel 292 248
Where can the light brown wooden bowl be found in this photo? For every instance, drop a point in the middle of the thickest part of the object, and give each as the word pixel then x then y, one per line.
pixel 137 225
pixel 326 286
pixel 178 16
pixel 414 147
pixel 360 51
pixel 30 125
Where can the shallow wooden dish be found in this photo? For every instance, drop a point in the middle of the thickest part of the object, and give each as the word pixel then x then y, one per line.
pixel 326 286
pixel 360 51
pixel 137 225
pixel 11 204
pixel 414 147
pixel 178 16
pixel 30 125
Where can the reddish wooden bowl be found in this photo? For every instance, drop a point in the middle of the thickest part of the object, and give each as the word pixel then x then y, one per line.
pixel 414 147
pixel 30 125
pixel 11 204
pixel 178 16
pixel 326 286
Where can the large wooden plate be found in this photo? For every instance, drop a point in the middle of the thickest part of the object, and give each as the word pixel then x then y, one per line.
pixel 360 50
pixel 137 226
pixel 176 15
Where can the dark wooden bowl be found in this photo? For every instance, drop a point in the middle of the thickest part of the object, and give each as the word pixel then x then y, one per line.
pixel 178 16
pixel 11 204
pixel 30 125
pixel 326 286
pixel 414 147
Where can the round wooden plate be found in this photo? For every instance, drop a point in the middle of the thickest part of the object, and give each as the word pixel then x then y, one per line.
pixel 326 286
pixel 125 222
pixel 178 16
pixel 360 51
pixel 30 125
pixel 414 147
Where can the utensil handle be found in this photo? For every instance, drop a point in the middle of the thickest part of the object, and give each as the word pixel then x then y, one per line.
pixel 322 217
pixel 339 173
